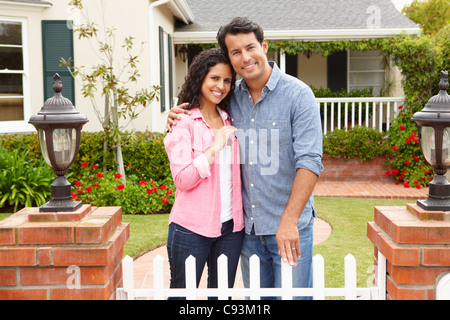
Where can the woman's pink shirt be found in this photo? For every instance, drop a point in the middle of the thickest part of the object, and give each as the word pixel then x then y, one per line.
pixel 197 204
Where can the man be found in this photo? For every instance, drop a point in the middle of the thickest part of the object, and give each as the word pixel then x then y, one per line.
pixel 279 131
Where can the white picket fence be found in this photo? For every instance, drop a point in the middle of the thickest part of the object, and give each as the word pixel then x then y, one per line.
pixel 161 291
pixel 372 112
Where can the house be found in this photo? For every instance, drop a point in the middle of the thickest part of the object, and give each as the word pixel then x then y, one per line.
pixel 35 34
pixel 305 20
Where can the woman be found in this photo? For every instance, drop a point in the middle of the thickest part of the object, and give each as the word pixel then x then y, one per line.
pixel 207 218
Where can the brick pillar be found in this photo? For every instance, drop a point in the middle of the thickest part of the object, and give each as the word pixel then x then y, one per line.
pixel 62 255
pixel 415 243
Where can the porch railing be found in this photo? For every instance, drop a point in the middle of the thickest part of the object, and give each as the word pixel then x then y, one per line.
pixel 372 112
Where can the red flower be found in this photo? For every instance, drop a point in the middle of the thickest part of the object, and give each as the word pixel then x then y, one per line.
pixel 394 148
pixel 94 166
pixel 89 189
pixel 169 192
pixel 403 115
pixel 418 186
pixel 416 158
pixel 99 175
pixel 407 162
pixel 416 182
pixel 163 186
pixel 165 200
pixel 395 172
pixel 117 175
pixel 74 195
pixel 78 183
pixel 120 187
pixel 402 127
pixel 389 173
pixel 84 164
pixel 148 191
pixel 96 184
pixel 142 183
pixel 400 107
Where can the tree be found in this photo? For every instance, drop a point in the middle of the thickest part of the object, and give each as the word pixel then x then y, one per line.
pixel 431 15
pixel 112 79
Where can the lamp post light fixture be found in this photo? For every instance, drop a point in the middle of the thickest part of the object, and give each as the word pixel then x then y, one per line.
pixel 59 129
pixel 183 51
pixel 433 122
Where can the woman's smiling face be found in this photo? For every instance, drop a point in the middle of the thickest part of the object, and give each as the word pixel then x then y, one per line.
pixel 216 85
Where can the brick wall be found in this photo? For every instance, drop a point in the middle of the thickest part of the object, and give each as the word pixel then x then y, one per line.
pixel 353 170
pixel 415 243
pixel 62 256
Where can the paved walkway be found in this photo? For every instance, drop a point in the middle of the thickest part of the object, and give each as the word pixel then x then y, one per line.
pixel 143 266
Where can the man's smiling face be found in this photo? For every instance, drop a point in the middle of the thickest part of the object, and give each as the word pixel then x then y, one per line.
pixel 247 55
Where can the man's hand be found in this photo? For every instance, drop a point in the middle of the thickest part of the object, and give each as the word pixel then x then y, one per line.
pixel 287 234
pixel 174 115
pixel 288 241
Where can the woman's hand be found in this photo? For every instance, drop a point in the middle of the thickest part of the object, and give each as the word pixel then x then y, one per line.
pixel 221 137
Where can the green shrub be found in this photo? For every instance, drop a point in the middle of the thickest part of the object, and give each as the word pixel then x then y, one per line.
pixel 145 161
pixel 23 183
pixel 408 165
pixel 143 155
pixel 362 142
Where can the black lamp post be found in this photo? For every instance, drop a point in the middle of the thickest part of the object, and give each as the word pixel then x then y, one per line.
pixel 59 128
pixel 433 122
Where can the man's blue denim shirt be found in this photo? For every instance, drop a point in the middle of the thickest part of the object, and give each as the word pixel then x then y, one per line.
pixel 278 135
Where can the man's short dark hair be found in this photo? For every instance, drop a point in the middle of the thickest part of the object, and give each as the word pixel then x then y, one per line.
pixel 239 25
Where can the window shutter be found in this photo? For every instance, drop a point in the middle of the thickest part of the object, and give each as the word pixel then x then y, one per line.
pixel 162 92
pixel 169 47
pixel 57 43
pixel 337 71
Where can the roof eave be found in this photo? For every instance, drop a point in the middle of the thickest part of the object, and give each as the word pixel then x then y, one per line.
pixel 180 37
pixel 15 5
pixel 182 11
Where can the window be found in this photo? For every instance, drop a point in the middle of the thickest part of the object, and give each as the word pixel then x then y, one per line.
pixel 166 78
pixel 366 70
pixel 14 87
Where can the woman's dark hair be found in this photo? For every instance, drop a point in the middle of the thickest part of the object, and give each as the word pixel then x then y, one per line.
pixel 191 91
pixel 239 25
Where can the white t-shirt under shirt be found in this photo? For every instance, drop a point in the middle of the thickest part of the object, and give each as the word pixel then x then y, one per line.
pixel 226 183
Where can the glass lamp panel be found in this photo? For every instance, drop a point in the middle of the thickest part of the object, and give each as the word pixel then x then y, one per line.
pixel 427 143
pixel 64 142
pixel 43 144
pixel 446 147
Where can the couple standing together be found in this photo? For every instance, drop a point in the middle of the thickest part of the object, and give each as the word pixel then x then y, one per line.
pixel 230 198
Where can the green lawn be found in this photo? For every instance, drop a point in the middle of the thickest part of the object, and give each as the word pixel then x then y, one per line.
pixel 348 218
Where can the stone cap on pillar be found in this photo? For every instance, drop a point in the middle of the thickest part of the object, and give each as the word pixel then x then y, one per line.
pixel 423 214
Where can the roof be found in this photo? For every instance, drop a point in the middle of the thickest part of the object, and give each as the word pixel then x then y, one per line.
pixel 298 19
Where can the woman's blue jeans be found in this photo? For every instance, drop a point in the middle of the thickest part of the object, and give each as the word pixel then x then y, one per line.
pixel 182 243
pixel 265 247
